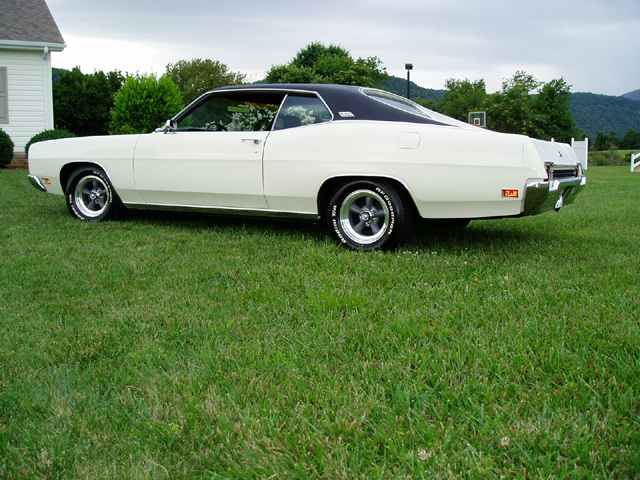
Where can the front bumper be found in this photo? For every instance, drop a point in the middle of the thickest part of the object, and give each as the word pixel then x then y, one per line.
pixel 36 182
pixel 543 196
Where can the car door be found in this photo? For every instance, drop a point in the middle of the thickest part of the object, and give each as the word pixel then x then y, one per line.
pixel 213 156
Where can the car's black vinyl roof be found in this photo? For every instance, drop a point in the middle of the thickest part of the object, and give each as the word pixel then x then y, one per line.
pixel 343 98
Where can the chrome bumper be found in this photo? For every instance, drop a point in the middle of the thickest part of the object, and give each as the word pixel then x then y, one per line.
pixel 36 182
pixel 548 195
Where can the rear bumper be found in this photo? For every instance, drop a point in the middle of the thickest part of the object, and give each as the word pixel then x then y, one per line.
pixel 548 195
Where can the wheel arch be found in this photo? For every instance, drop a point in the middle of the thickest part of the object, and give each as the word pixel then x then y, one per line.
pixel 98 202
pixel 331 184
pixel 67 170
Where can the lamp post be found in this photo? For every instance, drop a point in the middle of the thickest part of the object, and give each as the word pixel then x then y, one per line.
pixel 409 67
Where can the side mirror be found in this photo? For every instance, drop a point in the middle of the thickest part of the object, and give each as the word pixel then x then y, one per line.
pixel 166 128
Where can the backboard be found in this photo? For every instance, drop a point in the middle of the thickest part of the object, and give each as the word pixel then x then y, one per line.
pixel 479 119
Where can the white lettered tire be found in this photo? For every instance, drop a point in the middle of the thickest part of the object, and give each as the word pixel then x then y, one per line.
pixel 90 195
pixel 369 215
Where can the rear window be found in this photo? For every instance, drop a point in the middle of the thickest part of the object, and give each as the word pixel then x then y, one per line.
pixel 397 102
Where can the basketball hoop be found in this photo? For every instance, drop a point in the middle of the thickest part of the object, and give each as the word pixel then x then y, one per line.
pixel 479 119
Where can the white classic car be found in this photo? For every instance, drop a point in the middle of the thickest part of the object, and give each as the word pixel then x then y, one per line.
pixel 365 161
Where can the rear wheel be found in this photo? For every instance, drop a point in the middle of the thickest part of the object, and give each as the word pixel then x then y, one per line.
pixel 369 215
pixel 90 195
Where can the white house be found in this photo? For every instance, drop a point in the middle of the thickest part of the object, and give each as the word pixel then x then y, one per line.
pixel 28 36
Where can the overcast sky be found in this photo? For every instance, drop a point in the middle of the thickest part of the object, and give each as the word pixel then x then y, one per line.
pixel 593 44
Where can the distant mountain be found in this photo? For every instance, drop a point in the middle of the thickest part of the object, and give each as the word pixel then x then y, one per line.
pixel 398 86
pixel 603 113
pixel 635 95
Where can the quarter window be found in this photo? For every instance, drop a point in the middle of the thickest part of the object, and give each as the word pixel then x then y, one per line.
pixel 299 110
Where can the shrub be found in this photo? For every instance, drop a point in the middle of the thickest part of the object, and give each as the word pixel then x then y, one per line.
pixel 82 103
pixel 144 103
pixel 47 135
pixel 608 158
pixel 6 148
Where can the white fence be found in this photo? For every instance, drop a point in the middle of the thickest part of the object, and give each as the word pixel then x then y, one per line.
pixel 582 150
pixel 635 164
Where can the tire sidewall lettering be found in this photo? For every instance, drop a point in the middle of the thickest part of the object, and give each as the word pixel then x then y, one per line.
pixel 386 195
pixel 72 204
pixel 392 212
pixel 338 232
pixel 74 209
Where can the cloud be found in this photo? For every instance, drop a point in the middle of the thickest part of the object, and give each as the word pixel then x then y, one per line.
pixel 592 43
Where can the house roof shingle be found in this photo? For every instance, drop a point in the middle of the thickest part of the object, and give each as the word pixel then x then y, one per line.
pixel 28 21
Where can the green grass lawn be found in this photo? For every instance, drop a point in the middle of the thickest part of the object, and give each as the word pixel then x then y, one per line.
pixel 170 346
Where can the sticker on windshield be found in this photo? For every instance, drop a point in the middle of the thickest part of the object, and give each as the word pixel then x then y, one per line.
pixel 346 115
pixel 239 109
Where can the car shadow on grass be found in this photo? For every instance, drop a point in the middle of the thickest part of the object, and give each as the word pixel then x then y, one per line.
pixel 487 235
pixel 251 225
pixel 428 236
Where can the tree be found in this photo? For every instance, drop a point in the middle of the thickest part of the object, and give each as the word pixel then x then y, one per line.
pixel 511 110
pixel 601 142
pixel 317 63
pixel 524 106
pixel 631 140
pixel 529 107
pixel 310 55
pixel 553 105
pixel 197 76
pixel 461 97
pixel 613 140
pixel 144 103
pixel 292 74
pixel 82 103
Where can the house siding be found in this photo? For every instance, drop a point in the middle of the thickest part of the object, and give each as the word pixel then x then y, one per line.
pixel 28 75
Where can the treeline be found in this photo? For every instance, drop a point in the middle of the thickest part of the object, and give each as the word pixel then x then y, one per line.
pixel 112 103
pixel 524 106
pixel 604 113
pixel 109 103
pixel 613 141
pixel 602 118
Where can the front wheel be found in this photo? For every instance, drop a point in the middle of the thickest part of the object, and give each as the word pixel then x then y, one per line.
pixel 369 215
pixel 90 195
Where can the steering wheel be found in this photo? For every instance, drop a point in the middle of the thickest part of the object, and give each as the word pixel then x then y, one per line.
pixel 219 126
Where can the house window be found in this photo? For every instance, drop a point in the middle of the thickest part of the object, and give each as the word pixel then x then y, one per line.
pixel 4 96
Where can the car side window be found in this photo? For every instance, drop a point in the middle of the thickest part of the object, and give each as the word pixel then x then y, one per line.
pixel 233 112
pixel 299 110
